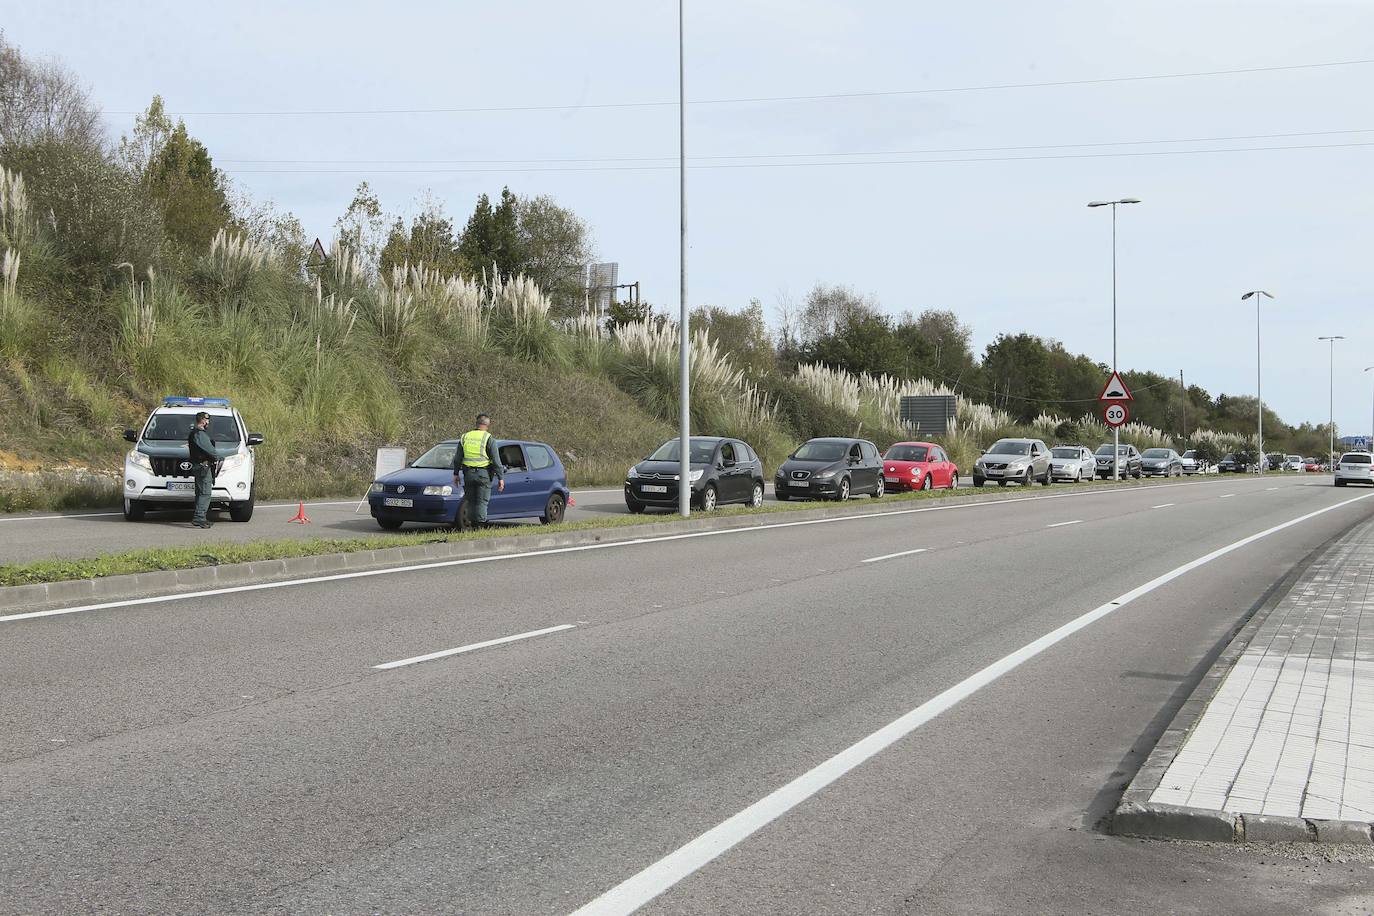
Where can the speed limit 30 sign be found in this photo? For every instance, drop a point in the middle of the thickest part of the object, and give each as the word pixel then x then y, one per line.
pixel 1115 413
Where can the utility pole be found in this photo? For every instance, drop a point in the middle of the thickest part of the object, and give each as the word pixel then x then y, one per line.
pixel 1184 389
pixel 684 489
pixel 1331 391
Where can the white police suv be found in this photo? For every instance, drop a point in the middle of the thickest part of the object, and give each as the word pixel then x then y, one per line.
pixel 157 470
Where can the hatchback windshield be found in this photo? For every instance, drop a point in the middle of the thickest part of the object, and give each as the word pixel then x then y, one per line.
pixel 702 450
pixel 907 453
pixel 821 451
pixel 1009 447
pixel 1065 453
pixel 1354 459
pixel 176 427
pixel 1156 453
pixel 441 456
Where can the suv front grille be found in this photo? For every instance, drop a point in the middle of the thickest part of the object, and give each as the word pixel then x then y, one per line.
pixel 172 467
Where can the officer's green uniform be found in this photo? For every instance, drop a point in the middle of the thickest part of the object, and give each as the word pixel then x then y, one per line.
pixel 202 454
pixel 476 460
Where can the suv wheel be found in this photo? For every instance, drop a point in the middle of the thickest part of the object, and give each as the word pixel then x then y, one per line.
pixel 1049 476
pixel 1030 478
pixel 133 510
pixel 242 510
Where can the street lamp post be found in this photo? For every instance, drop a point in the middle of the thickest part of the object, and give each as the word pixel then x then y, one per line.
pixel 1116 430
pixel 1331 391
pixel 684 488
pixel 1371 428
pixel 1259 395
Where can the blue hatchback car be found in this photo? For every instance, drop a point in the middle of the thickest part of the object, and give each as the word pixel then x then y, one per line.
pixel 536 487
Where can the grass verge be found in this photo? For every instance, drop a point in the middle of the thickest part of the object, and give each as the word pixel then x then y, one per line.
pixel 192 557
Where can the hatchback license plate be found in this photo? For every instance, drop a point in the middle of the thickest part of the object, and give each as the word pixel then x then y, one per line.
pixel 181 485
pixel 893 479
pixel 653 488
pixel 398 502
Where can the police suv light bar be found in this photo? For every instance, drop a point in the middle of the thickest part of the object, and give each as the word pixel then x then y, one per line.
pixel 182 401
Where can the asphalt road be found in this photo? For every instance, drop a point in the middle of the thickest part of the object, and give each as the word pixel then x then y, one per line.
pixel 242 753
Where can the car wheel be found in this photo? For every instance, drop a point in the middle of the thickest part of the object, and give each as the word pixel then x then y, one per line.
pixel 708 498
pixel 1339 482
pixel 635 507
pixel 390 524
pixel 1030 478
pixel 842 494
pixel 1001 483
pixel 1049 476
pixel 242 510
pixel 880 488
pixel 133 510
pixel 554 510
pixel 977 482
pixel 756 496
pixel 927 483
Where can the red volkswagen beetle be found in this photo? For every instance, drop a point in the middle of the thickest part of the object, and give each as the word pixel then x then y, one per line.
pixel 918 466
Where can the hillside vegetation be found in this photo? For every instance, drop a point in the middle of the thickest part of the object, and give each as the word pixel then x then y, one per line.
pixel 134 270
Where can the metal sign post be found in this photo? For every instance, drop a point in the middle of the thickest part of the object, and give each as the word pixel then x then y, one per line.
pixel 1114 396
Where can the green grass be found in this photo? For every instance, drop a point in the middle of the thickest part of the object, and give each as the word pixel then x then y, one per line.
pixel 215 554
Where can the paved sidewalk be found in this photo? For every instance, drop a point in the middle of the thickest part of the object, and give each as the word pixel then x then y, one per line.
pixel 1287 739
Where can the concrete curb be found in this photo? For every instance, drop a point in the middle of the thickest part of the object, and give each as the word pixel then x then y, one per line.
pixel 20 598
pixel 1137 816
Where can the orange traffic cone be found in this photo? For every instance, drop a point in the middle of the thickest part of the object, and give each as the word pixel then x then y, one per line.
pixel 301 517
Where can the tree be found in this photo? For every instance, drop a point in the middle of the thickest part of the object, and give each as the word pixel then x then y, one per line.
pixel 826 307
pixel 742 335
pixel 428 241
pixel 190 191
pixel 1019 370
pixel 41 104
pixel 361 226
pixel 491 240
pixel 554 246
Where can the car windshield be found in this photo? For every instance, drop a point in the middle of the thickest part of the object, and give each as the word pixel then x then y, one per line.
pixel 1190 454
pixel 821 451
pixel 1229 458
pixel 176 427
pixel 1156 453
pixel 439 457
pixel 1354 459
pixel 1009 447
pixel 907 453
pixel 1065 453
pixel 702 450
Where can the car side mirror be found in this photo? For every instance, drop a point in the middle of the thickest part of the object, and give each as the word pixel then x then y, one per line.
pixel 255 438
pixel 727 463
pixel 130 435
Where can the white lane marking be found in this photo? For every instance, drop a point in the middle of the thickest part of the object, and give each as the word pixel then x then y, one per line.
pixel 1268 489
pixel 639 889
pixel 1226 496
pixel 903 553
pixel 1162 506
pixel 551 551
pixel 49 518
pixel 1077 521
pixel 444 653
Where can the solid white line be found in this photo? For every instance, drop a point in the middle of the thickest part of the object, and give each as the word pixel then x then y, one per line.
pixel 551 551
pixel 188 506
pixel 1162 506
pixel 477 645
pixel 640 888
pixel 1267 489
pixel 1077 521
pixel 1226 496
pixel 889 556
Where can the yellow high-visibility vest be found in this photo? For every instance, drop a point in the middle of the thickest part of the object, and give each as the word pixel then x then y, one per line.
pixel 474 444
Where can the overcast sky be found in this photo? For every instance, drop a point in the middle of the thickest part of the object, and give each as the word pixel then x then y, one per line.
pixel 1009 246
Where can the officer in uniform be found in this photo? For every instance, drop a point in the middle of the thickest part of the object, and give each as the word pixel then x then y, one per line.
pixel 202 453
pixel 474 466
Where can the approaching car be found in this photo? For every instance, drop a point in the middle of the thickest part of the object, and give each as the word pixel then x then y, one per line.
pixel 1192 464
pixel 1072 462
pixel 1127 459
pixel 918 466
pixel 1021 460
pixel 829 468
pixel 1355 467
pixel 1161 462
pixel 723 471
pixel 157 470
pixel 423 492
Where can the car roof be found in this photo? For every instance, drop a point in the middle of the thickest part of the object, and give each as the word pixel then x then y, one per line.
pixel 834 439
pixel 500 442
pixel 926 444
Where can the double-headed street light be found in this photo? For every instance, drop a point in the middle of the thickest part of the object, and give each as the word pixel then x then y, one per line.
pixel 1116 431
pixel 1331 392
pixel 1259 395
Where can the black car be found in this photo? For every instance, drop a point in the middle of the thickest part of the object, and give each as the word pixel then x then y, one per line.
pixel 723 471
pixel 830 469
pixel 1232 465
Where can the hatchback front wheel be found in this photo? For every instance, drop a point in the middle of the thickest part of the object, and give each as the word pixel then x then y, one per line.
pixel 842 494
pixel 756 497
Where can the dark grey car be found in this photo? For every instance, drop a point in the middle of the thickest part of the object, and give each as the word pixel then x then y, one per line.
pixel 828 468
pixel 722 471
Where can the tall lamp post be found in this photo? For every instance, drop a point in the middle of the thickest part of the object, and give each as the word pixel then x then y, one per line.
pixel 1259 395
pixel 1370 443
pixel 1116 430
pixel 684 487
pixel 1331 391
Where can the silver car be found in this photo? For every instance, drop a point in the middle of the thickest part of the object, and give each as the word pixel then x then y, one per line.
pixel 1020 460
pixel 1072 462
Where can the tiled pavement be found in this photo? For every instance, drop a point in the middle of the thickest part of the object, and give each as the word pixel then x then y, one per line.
pixel 1290 732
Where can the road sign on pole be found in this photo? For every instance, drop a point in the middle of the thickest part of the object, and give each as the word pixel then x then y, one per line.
pixel 1115 390
pixel 1115 413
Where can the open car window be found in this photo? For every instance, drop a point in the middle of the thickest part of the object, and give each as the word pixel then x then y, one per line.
pixel 512 456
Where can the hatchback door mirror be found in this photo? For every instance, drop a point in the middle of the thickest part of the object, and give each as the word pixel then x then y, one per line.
pixel 255 438
pixel 727 463
pixel 130 435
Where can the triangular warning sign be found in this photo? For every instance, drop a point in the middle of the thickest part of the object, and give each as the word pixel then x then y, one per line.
pixel 1115 390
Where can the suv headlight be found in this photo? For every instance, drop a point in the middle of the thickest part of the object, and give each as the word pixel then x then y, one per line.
pixel 140 460
pixel 445 490
pixel 377 487
pixel 233 462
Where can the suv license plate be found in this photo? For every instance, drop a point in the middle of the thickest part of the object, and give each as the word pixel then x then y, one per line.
pixel 398 502
pixel 654 488
pixel 181 485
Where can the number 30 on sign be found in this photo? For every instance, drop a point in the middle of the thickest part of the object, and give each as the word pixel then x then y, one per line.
pixel 1115 414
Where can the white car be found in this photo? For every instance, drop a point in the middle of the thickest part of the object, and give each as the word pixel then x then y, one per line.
pixel 1192 464
pixel 1355 467
pixel 1292 463
pixel 157 470
pixel 1072 462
